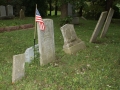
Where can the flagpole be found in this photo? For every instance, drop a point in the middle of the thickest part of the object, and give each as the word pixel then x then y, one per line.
pixel 35 32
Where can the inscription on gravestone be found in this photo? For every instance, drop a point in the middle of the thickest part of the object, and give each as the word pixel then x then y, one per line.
pixel 18 67
pixel 46 42
pixel 98 26
pixel 72 43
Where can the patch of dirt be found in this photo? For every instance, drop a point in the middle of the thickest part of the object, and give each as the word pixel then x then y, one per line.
pixel 13 28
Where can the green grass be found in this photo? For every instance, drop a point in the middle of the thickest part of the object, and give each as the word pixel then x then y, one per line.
pixel 95 68
pixel 17 21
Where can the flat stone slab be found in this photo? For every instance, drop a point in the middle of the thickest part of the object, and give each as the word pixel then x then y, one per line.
pixel 18 70
pixel 72 44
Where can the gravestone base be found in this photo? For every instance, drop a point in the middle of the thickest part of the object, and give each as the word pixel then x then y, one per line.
pixel 46 61
pixel 75 48
pixel 6 17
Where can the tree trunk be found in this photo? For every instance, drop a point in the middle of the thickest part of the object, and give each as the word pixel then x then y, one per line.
pixel 80 11
pixel 56 7
pixel 109 4
pixel 50 2
pixel 64 10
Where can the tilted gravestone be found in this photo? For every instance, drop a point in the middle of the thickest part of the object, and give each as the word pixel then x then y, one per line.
pixel 107 22
pixel 72 44
pixel 46 42
pixel 98 26
pixel 18 67
pixel 9 10
pixel 2 11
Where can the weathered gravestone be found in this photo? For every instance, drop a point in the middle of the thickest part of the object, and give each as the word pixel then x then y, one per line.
pixel 2 11
pixel 22 14
pixel 9 10
pixel 29 53
pixel 69 9
pixel 98 26
pixel 18 67
pixel 107 22
pixel 72 43
pixel 46 42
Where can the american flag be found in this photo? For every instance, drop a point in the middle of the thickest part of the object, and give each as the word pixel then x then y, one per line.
pixel 38 19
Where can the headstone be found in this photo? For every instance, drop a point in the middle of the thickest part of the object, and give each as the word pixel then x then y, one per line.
pixel 46 42
pixel 2 11
pixel 18 67
pixel 22 15
pixel 72 44
pixel 9 10
pixel 29 53
pixel 98 26
pixel 76 20
pixel 69 9
pixel 107 22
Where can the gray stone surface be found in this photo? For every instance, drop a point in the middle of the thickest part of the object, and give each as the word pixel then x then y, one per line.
pixel 76 20
pixel 99 26
pixel 18 70
pixel 69 9
pixel 9 10
pixel 72 44
pixel 46 42
pixel 2 11
pixel 29 53
pixel 107 22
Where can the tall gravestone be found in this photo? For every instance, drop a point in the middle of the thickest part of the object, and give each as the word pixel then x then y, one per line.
pixel 9 10
pixel 72 44
pixel 46 42
pixel 69 9
pixel 107 22
pixel 18 67
pixel 2 11
pixel 99 26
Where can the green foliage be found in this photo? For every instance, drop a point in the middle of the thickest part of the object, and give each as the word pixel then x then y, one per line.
pixel 66 20
pixel 93 10
pixel 30 8
pixel 2 25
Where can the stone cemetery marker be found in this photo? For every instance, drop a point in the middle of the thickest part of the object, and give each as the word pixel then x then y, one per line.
pixel 29 53
pixel 46 42
pixel 18 67
pixel 2 11
pixel 107 22
pixel 22 15
pixel 72 43
pixel 98 26
pixel 76 20
pixel 69 9
pixel 10 10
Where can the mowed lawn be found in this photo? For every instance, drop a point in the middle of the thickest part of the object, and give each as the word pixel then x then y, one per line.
pixel 95 68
